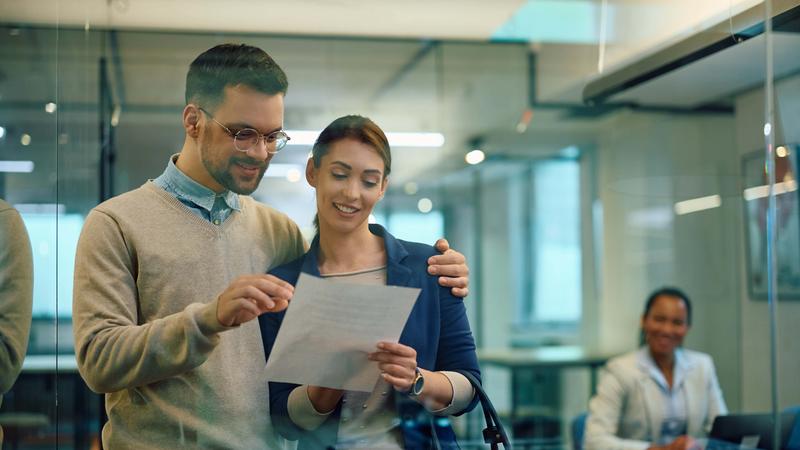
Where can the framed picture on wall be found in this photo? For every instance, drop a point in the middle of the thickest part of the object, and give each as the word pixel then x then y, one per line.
pixel 756 201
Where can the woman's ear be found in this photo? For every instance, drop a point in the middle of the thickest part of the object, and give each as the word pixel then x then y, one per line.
pixel 191 120
pixel 384 186
pixel 311 173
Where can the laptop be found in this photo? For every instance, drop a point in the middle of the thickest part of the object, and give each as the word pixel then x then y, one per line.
pixel 749 430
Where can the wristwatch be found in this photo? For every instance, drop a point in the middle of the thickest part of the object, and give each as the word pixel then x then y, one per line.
pixel 417 384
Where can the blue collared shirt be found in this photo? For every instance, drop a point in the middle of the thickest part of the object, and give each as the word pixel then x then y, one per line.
pixel 204 202
pixel 674 399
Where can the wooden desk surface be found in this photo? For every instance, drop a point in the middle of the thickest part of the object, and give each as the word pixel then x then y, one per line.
pixel 542 357
pixel 49 363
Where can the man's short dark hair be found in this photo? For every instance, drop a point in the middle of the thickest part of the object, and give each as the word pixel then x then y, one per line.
pixel 232 65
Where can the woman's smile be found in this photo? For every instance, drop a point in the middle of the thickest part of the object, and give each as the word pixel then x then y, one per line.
pixel 345 208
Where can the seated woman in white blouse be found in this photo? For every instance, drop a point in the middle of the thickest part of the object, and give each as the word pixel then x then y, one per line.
pixel 661 396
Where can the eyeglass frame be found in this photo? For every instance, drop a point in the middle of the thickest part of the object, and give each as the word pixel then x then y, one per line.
pixel 261 136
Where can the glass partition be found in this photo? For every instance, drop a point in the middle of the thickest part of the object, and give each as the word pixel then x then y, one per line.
pixel 29 220
pixel 581 155
pixel 772 203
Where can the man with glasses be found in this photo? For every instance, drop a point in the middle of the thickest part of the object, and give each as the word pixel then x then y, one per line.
pixel 169 276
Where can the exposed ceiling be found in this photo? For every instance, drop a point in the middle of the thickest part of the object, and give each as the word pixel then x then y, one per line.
pixel 462 89
pixel 475 19
pixel 411 66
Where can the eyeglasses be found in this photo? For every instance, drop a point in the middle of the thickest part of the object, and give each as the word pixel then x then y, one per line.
pixel 247 138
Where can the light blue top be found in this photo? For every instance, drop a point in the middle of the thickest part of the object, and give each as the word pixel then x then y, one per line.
pixel 216 208
pixel 673 400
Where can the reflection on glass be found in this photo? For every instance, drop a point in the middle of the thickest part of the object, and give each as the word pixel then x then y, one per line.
pixel 756 195
pixel 16 296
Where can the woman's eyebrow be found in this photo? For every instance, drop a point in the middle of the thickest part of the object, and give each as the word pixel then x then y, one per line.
pixel 349 167
pixel 343 164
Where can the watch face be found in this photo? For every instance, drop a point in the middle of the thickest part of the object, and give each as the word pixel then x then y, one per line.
pixel 419 382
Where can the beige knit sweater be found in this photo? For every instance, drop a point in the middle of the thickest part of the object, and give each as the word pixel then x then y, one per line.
pixel 16 296
pixel 147 275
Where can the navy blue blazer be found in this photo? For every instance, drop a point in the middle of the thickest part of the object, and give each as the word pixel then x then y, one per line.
pixel 437 329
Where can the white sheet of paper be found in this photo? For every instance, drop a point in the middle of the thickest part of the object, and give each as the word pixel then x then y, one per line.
pixel 330 327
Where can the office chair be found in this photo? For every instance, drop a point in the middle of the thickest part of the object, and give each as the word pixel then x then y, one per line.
pixel 577 426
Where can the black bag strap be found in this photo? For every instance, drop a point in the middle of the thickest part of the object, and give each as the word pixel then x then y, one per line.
pixel 494 434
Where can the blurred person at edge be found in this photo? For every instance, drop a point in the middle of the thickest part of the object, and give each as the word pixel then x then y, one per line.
pixel 169 276
pixel 349 169
pixel 662 396
pixel 16 296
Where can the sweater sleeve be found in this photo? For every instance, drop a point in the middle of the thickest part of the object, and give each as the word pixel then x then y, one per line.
pixel 16 295
pixel 114 351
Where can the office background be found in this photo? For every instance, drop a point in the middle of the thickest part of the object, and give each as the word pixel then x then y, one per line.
pixel 617 143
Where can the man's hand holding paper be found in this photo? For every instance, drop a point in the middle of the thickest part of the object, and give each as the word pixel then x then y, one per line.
pixel 330 328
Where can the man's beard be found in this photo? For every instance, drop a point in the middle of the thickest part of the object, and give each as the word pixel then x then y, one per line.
pixel 222 173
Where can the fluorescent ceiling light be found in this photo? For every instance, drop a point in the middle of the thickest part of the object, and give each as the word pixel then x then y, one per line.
pixel 16 166
pixel 697 204
pixel 396 139
pixel 757 192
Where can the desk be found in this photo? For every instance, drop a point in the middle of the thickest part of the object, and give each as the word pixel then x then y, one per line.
pixel 49 364
pixel 560 357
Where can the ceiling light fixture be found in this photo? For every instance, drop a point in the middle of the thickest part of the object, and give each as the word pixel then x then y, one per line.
pixel 396 139
pixel 16 166
pixel 697 204
pixel 293 175
pixel 475 157
pixel 410 188
pixel 757 192
pixel 524 120
pixel 424 205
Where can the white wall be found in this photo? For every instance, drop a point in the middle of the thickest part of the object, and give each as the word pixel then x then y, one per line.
pixel 646 163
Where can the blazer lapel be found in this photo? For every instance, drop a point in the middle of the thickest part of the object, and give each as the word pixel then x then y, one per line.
pixel 311 260
pixel 694 398
pixel 397 273
pixel 647 389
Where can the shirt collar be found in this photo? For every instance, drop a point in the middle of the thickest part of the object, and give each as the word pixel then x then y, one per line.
pixel 648 364
pixel 195 192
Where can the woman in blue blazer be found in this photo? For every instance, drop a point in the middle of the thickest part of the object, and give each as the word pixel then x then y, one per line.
pixel 349 167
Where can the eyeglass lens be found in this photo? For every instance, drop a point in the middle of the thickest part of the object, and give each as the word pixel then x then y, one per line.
pixel 248 138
